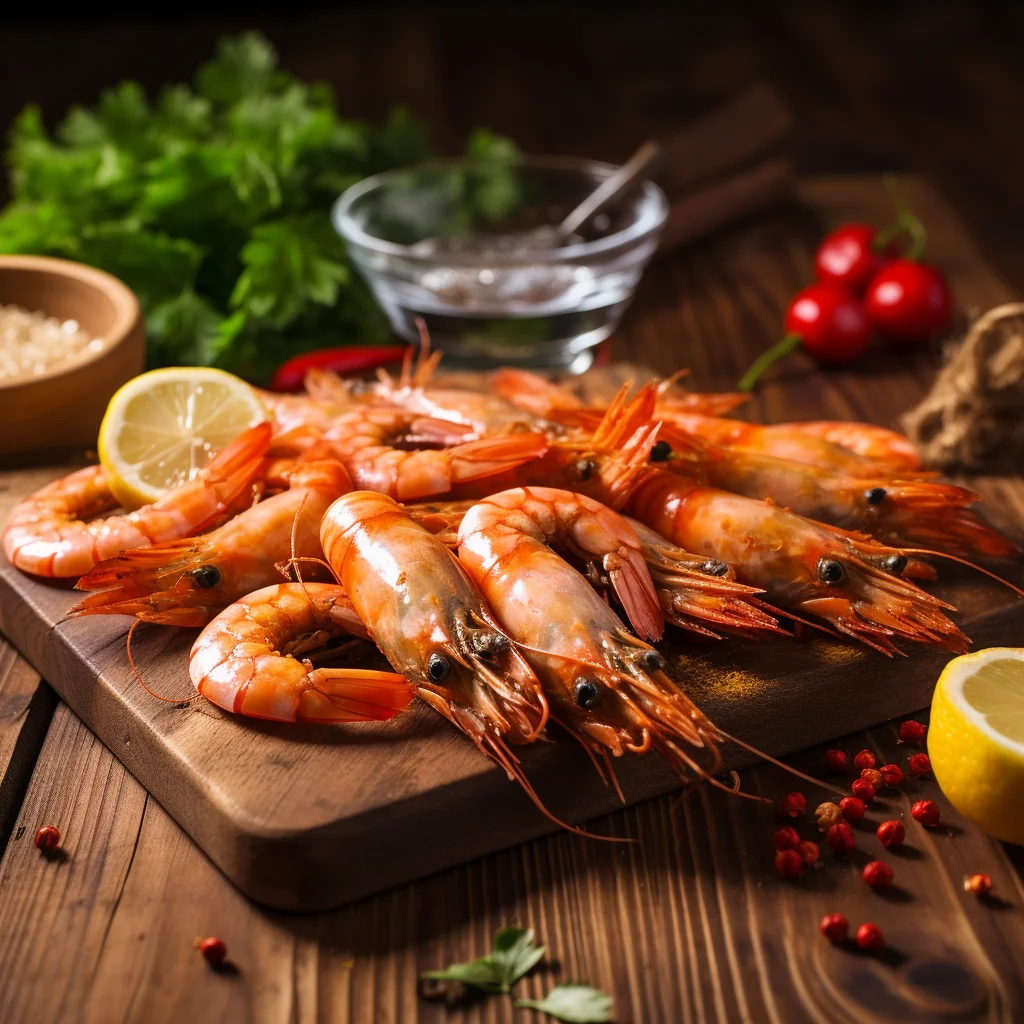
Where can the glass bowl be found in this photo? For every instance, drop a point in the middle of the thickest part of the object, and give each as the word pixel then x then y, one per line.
pixel 469 247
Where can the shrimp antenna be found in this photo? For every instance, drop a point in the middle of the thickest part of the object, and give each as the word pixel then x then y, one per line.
pixel 963 561
pixel 785 767
pixel 138 674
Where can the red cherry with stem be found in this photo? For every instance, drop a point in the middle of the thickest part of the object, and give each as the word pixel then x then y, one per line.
pixel 909 302
pixel 851 255
pixel 829 322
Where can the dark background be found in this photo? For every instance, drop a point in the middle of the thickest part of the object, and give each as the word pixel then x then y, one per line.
pixel 932 87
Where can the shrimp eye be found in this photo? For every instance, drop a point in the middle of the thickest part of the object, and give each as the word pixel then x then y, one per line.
pixel 586 693
pixel 830 571
pixel 875 495
pixel 586 468
pixel 206 576
pixel 660 452
pixel 713 567
pixel 654 661
pixel 438 666
pixel 895 564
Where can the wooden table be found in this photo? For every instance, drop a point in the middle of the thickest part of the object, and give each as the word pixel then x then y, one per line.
pixel 687 924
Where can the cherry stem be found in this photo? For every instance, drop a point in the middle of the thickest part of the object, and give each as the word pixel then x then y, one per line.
pixel 907 221
pixel 790 343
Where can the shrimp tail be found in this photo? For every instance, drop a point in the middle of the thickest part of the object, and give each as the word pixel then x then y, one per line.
pixel 486 457
pixel 232 472
pixel 354 695
pixel 631 580
pixel 537 395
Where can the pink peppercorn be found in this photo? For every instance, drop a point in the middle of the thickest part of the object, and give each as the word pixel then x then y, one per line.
pixel 809 852
pixel 48 838
pixel 912 732
pixel 919 764
pixel 872 775
pixel 865 759
pixel 863 790
pixel 794 804
pixel 214 950
pixel 891 834
pixel 787 838
pixel 892 774
pixel 869 937
pixel 926 812
pixel 836 761
pixel 977 885
pixel 877 874
pixel 852 808
pixel 788 864
pixel 840 839
pixel 835 927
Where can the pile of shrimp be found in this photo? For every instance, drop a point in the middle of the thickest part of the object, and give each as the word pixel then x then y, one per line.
pixel 513 554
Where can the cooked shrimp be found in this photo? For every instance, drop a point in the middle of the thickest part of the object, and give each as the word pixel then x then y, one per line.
pixel 364 442
pixel 422 611
pixel 804 567
pixel 604 685
pixel 48 535
pixel 250 660
pixel 186 582
pixel 915 513
pixel 884 447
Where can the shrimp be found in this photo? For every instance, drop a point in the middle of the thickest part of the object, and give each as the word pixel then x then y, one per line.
pixel 884 447
pixel 47 534
pixel 917 513
pixel 695 593
pixel 186 582
pixel 805 567
pixel 250 660
pixel 605 686
pixel 362 441
pixel 425 615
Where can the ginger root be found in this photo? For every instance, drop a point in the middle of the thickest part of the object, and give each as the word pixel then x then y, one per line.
pixel 973 417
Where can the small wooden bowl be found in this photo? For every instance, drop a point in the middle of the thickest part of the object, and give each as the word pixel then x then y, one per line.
pixel 63 407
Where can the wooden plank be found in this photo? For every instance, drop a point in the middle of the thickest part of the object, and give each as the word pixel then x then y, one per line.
pixel 380 789
pixel 688 924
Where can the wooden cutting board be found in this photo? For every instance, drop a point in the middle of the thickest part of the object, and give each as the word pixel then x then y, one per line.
pixel 309 817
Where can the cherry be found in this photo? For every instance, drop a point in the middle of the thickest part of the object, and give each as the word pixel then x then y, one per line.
pixel 849 257
pixel 909 302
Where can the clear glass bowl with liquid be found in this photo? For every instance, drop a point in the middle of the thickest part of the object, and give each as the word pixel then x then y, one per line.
pixel 470 249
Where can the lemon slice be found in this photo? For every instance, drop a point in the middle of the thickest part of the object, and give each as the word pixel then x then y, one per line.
pixel 976 739
pixel 163 427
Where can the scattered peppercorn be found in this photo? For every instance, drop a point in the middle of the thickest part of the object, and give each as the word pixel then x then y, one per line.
pixel 977 885
pixel 213 949
pixel 869 937
pixel 919 764
pixel 852 808
pixel 926 812
pixel 865 759
pixel 877 874
pixel 840 838
pixel 892 834
pixel 787 838
pixel 788 864
pixel 872 775
pixel 892 774
pixel 836 761
pixel 863 790
pixel 912 732
pixel 835 927
pixel 794 804
pixel 48 838
pixel 809 852
pixel 826 815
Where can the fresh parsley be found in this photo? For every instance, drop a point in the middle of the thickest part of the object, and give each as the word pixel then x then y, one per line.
pixel 514 954
pixel 212 203
pixel 575 1004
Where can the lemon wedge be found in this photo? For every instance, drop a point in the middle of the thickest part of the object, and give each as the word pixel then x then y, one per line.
pixel 162 427
pixel 976 739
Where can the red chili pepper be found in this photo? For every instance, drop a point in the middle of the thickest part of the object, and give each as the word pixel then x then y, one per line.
pixel 289 376
pixel 829 322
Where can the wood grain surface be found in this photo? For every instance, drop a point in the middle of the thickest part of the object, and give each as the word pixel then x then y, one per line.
pixel 277 807
pixel 689 924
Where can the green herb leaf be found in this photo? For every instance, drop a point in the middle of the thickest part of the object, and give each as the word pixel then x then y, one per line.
pixel 186 327
pixel 513 955
pixel 243 67
pixel 575 1004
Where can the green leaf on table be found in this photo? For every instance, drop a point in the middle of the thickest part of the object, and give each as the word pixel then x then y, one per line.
pixel 513 955
pixel 575 1004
